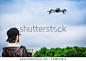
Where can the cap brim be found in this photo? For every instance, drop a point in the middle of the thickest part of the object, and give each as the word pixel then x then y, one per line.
pixel 9 39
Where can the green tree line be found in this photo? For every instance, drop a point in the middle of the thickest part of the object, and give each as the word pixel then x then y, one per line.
pixel 61 52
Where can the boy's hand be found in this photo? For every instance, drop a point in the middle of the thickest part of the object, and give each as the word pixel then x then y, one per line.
pixel 31 51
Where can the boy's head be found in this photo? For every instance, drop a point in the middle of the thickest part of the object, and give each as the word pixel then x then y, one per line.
pixel 13 35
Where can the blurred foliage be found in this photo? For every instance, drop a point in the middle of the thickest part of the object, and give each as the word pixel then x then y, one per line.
pixel 61 52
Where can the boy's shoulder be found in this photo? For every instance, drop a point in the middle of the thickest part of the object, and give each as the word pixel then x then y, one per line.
pixel 23 47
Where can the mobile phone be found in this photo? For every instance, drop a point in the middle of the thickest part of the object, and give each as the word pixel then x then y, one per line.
pixel 29 50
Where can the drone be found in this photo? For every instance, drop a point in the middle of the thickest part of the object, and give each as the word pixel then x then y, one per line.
pixel 57 11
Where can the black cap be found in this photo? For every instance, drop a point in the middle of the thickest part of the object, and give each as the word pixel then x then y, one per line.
pixel 12 33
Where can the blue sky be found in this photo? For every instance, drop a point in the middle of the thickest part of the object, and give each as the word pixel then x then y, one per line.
pixel 17 13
